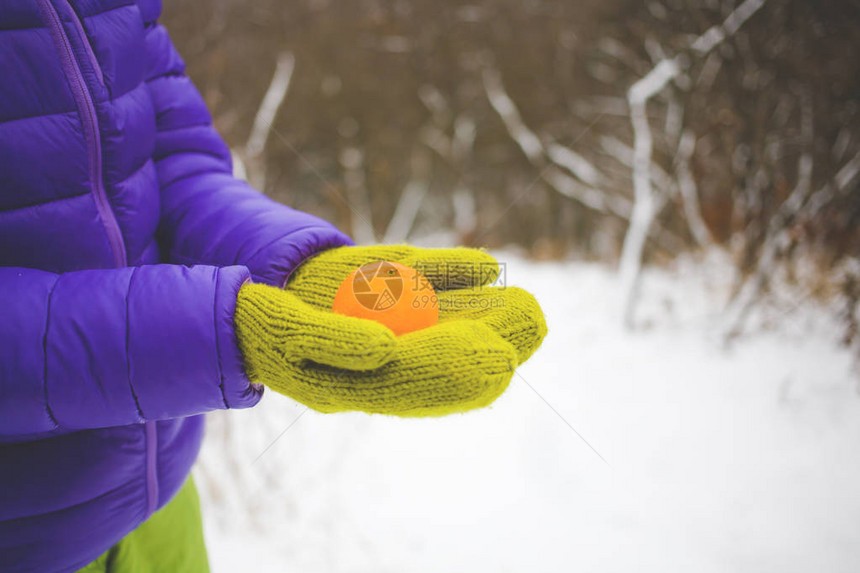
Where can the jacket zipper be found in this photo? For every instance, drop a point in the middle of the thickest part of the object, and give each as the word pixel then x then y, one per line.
pixel 79 28
pixel 151 476
pixel 89 121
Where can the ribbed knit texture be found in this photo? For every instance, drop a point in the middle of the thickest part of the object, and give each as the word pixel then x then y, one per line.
pixel 295 345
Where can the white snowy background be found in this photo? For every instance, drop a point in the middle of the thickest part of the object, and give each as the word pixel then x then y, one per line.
pixel 741 458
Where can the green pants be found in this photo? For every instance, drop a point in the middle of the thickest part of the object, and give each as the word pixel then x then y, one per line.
pixel 170 540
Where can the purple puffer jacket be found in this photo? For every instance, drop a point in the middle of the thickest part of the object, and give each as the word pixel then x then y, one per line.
pixel 112 183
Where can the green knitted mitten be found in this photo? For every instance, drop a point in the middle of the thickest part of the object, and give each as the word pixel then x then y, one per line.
pixel 294 344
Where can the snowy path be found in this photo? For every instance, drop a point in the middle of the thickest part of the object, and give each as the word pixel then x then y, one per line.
pixel 739 460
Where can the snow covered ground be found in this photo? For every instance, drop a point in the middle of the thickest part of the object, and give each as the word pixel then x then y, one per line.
pixel 738 459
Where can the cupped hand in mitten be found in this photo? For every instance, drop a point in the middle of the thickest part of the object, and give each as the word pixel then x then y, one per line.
pixel 295 345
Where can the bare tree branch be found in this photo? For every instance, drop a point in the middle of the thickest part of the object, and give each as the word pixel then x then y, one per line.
pixel 689 192
pixel 545 158
pixel 254 152
pixel 507 110
pixel 647 202
pixel 777 237
pixel 352 161
pixel 410 200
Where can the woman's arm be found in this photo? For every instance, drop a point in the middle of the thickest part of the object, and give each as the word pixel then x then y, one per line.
pixel 207 215
pixel 108 347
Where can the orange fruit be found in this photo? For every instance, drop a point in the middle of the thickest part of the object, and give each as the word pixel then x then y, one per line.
pixel 395 295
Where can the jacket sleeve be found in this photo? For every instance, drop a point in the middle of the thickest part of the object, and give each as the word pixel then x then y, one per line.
pixel 207 215
pixel 106 347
